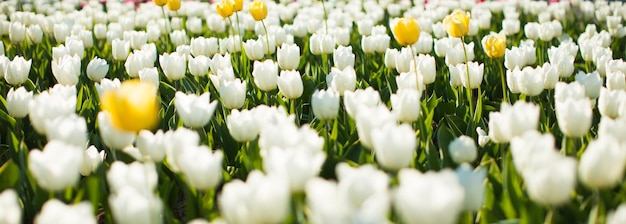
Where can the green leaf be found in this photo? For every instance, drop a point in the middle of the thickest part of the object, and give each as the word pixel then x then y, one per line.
pixel 9 175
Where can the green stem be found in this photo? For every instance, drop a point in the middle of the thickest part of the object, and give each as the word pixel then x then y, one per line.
pixel 325 17
pixel 503 80
pixel 267 38
pixel 467 75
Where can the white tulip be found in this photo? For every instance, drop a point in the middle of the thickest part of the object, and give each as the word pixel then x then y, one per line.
pixel 265 75
pixel 201 167
pixel 290 84
pixel 57 166
pixel 56 212
pixel 16 72
pixel 66 69
pixel 194 111
pixel 472 182
pixel 394 145
pixel 17 102
pixel 97 69
pixel 405 104
pixel 325 104
pixel 463 150
pixel 12 211
pixel 233 93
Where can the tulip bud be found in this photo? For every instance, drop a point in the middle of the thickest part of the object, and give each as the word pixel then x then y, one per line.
pixel 475 74
pixel 70 129
pixel 341 80
pixel 55 211
pixel 406 31
pixel 592 82
pixel 290 84
pixel 224 8
pixel 601 165
pixel 325 104
pixel 100 31
pixel 457 23
pixel 66 69
pixel 321 44
pixel 17 32
pixel 160 2
pixel 57 166
pixel 257 10
pixel 265 74
pixel 394 145
pixel 35 34
pixel 255 49
pixel 233 93
pixel 288 56
pixel 149 75
pixel 173 5
pixel 483 138
pixel 16 72
pixel 463 150
pixel 494 45
pixel 193 110
pixel 120 49
pixel 173 65
pixel 201 167
pixel 97 69
pixel 406 104
pixel 132 107
pixel 237 5
pixel 198 66
pixel 574 116
pixel 441 187
pixel 10 203
pixel 61 31
pixel 390 58
pixel 343 57
pixel 91 160
pixel 17 102
pixel 472 183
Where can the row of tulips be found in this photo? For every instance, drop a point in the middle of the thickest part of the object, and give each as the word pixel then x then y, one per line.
pixel 258 111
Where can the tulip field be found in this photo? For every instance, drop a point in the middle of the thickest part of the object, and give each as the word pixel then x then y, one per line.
pixel 331 111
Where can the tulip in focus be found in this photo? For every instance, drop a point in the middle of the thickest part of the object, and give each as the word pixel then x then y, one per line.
pixel 265 74
pixel 16 72
pixel 133 107
pixel 290 84
pixel 233 93
pixel 91 160
pixel 494 45
pixel 406 31
pixel 195 111
pixel 258 10
pixel 225 8
pixel 457 23
pixel 97 69
pixel 66 69
pixel 288 56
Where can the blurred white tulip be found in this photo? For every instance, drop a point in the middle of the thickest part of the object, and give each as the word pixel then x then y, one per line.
pixel 472 183
pixel 463 150
pixel 12 211
pixel 17 102
pixel 341 80
pixel 343 57
pixel 56 212
pixel 417 192
pixel 325 104
pixel 512 121
pixel 57 166
pixel 602 164
pixel 394 145
pixel 201 167
pixel 111 136
pixel 405 104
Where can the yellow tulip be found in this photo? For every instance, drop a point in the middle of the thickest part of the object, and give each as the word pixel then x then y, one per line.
pixel 225 9
pixel 237 5
pixel 258 10
pixel 160 2
pixel 494 45
pixel 133 107
pixel 457 23
pixel 173 5
pixel 406 31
